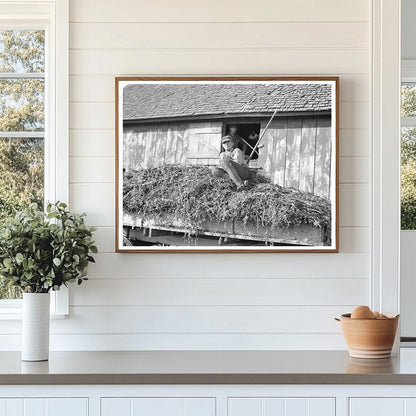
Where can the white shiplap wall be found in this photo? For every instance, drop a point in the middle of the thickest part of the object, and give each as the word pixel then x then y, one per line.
pixel 185 301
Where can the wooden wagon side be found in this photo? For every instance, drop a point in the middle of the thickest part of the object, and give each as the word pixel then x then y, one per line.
pixel 167 230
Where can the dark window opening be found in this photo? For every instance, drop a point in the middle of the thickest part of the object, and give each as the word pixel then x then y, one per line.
pixel 247 137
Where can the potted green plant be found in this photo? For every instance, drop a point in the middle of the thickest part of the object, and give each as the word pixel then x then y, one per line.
pixel 40 252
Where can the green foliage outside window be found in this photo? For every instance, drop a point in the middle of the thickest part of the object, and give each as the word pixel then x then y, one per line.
pixel 408 180
pixel 21 110
pixel 408 160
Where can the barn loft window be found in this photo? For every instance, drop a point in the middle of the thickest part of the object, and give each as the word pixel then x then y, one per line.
pixel 248 135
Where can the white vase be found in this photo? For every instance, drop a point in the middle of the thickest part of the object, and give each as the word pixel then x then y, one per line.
pixel 35 326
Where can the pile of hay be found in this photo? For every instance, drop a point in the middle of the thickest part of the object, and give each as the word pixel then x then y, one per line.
pixel 193 196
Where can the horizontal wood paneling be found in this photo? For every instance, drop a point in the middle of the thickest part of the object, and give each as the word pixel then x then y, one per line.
pixel 101 88
pixel 218 11
pixel 94 143
pixel 104 238
pixel 220 291
pixel 92 115
pixel 354 208
pixel 354 239
pixel 166 341
pixel 89 169
pixel 354 142
pixel 218 35
pixel 354 87
pixel 201 319
pixel 92 88
pixel 354 170
pixel 278 265
pixel 195 320
pixel 354 115
pixel 221 62
pixel 96 199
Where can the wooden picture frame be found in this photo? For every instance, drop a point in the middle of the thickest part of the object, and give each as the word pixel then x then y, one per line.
pixel 226 164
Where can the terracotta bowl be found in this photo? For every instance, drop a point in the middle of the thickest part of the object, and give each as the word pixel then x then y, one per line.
pixel 369 338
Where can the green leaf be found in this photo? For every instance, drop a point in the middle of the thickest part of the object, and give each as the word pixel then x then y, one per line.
pixel 69 223
pixel 37 255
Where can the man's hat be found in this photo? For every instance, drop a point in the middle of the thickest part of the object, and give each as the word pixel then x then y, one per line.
pixel 227 139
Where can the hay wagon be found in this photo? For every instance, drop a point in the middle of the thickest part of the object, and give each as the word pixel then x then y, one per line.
pixel 169 230
pixel 179 124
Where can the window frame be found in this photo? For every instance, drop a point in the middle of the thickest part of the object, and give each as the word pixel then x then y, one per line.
pixel 385 156
pixel 53 17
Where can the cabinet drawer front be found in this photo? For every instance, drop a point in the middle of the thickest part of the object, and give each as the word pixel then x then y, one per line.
pixel 158 406
pixel 44 407
pixel 281 406
pixel 376 406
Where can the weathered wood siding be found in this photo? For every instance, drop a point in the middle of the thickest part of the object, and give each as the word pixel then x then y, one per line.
pixel 323 158
pixel 150 145
pixel 297 153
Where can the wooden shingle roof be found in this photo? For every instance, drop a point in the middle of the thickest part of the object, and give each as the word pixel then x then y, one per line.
pixel 163 100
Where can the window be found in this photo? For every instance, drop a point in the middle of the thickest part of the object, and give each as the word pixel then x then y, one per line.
pixel 248 135
pixel 408 155
pixel 22 124
pixel 33 111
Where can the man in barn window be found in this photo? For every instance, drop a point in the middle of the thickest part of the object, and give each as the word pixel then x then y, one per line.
pixel 232 164
pixel 238 140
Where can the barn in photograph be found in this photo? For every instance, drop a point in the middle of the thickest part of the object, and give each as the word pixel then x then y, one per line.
pixel 284 131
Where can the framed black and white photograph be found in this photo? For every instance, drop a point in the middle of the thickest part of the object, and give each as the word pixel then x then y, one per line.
pixel 227 164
